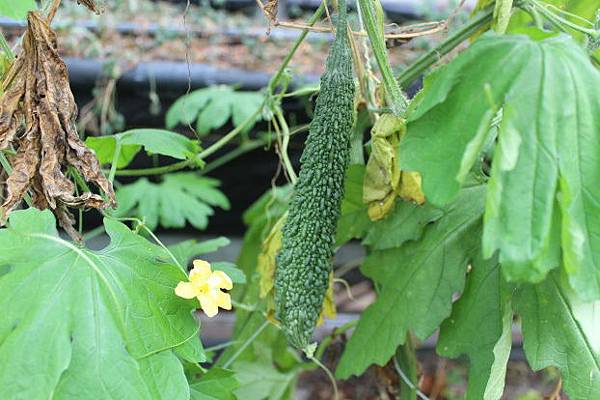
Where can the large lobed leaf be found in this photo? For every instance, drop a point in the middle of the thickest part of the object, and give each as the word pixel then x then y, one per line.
pixel 16 9
pixel 418 280
pixel 543 192
pixel 481 327
pixel 180 198
pixel 561 330
pixel 216 384
pixel 83 324
pixel 212 107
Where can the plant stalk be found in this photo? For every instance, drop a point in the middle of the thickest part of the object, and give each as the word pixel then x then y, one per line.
pixel 373 19
pixel 410 74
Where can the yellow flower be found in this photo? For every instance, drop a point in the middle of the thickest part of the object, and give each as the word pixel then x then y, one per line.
pixel 206 285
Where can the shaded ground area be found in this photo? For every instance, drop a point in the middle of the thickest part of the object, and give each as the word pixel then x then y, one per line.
pixel 440 379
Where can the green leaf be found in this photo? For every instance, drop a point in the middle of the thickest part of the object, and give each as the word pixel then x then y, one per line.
pixel 406 221
pixel 180 198
pixel 214 116
pixel 216 384
pixel 481 327
pixel 245 104
pixel 212 107
pixel 160 141
pixel 418 279
pixel 16 9
pixel 105 146
pixel 542 191
pixel 270 206
pixel 354 218
pixel 261 381
pixel 154 141
pixel 185 110
pixel 185 251
pixel 107 319
pixel 560 330
pixel 236 274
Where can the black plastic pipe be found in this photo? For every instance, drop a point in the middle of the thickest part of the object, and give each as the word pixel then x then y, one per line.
pixel 404 8
pixel 233 35
pixel 169 76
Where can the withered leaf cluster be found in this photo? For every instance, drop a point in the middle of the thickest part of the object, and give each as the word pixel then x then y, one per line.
pixel 37 122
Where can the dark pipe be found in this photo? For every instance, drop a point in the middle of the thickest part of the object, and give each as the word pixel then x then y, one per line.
pixel 172 76
pixel 233 35
pixel 406 8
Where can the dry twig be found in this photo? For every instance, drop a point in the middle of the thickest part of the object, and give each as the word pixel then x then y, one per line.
pixel 407 32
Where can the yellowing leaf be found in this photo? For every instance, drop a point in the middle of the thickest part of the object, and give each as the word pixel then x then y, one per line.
pixel 410 187
pixel 328 310
pixel 380 209
pixel 266 258
pixel 384 180
pixel 265 267
pixel 382 173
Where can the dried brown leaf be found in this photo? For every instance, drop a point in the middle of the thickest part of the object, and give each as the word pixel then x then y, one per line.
pixel 37 119
pixel 91 4
pixel 270 8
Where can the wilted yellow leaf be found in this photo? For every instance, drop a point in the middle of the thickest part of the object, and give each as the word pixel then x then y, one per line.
pixel 379 209
pixel 410 187
pixel 382 173
pixel 266 259
pixel 328 310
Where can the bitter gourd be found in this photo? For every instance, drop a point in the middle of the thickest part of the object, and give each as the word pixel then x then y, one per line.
pixel 304 261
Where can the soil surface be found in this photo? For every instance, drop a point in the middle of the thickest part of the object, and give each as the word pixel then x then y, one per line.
pixel 157 31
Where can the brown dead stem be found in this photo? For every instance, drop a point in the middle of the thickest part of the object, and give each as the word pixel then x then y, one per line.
pixel 269 9
pixel 91 4
pixel 37 120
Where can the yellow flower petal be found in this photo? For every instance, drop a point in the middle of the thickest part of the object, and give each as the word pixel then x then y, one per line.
pixel 185 290
pixel 220 280
pixel 223 300
pixel 208 304
pixel 201 271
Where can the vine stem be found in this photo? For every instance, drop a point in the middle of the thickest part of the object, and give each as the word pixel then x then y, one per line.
pixel 221 346
pixel 246 344
pixel 115 160
pixel 407 381
pixel 6 47
pixel 284 146
pixel 312 358
pixel 411 73
pixel 156 170
pixel 338 331
pixel 559 21
pixel 372 16
pixel 192 161
pixel 238 151
pixel 277 77
pixel 225 139
pixel 233 133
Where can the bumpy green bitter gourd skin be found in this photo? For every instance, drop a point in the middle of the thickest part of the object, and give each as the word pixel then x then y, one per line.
pixel 304 261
